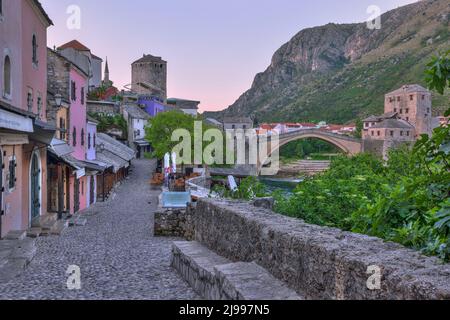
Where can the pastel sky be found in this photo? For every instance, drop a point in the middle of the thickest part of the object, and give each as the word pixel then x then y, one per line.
pixel 214 48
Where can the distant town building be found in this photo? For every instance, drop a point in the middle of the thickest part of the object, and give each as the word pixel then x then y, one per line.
pixel 137 119
pixel 214 122
pixel 441 121
pixel 234 123
pixel 408 114
pixel 411 103
pixel 149 77
pixel 82 56
pixel 189 107
pixel 392 129
pixel 152 105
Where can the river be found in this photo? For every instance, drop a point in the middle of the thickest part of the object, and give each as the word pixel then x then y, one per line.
pixel 285 185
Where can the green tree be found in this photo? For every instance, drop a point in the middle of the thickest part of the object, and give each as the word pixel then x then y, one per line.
pixel 359 128
pixel 438 72
pixel 160 129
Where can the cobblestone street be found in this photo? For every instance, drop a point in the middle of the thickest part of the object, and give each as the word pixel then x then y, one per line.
pixel 116 251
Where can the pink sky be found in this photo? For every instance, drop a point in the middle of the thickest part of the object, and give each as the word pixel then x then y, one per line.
pixel 214 48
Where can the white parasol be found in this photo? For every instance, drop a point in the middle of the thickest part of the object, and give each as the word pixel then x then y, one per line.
pixel 174 162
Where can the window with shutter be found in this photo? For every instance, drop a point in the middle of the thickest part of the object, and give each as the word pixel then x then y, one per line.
pixel 74 137
pixel 12 173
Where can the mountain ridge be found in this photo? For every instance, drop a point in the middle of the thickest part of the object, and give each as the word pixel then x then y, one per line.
pixel 340 72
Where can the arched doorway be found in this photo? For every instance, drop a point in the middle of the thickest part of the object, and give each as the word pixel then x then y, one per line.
pixel 35 186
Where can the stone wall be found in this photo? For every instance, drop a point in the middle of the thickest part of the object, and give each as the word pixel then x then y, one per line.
pixel 375 147
pixel 106 108
pixel 318 262
pixel 175 223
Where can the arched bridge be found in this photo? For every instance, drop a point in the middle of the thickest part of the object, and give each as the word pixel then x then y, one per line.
pixel 349 145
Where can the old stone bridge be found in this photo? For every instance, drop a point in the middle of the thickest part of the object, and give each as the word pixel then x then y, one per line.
pixel 349 145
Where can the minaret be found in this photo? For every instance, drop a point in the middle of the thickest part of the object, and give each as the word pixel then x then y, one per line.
pixel 106 75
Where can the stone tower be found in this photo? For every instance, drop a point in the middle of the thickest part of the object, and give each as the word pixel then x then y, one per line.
pixel 412 103
pixel 149 77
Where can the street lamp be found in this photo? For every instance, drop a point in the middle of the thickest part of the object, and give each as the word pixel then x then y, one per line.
pixel 58 100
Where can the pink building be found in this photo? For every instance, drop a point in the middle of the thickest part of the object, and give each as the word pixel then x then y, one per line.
pixel 24 134
pixel 77 135
pixel 91 155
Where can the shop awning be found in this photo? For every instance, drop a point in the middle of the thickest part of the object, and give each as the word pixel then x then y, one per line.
pixel 142 143
pixel 60 148
pixel 43 132
pixel 14 121
pixel 91 166
pixel 79 166
pixel 116 162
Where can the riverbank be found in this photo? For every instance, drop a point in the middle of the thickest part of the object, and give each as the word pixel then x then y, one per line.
pixel 302 168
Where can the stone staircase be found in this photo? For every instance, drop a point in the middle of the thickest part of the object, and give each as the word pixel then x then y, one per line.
pixel 47 225
pixel 304 167
pixel 216 278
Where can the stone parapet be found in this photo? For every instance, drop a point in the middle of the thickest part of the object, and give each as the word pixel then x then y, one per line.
pixel 175 223
pixel 319 262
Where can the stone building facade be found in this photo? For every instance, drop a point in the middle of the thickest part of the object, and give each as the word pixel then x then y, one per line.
pixel 103 107
pixel 24 133
pixel 137 119
pixel 149 77
pixel 189 107
pixel 84 58
pixel 232 123
pixel 412 103
pixel 408 114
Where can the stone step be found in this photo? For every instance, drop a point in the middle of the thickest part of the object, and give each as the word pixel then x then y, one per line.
pixel 59 227
pixel 45 220
pixel 16 235
pixel 216 278
pixel 196 263
pixel 77 221
pixel 249 281
pixel 34 232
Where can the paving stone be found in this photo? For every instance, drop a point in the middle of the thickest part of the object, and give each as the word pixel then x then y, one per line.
pixel 118 256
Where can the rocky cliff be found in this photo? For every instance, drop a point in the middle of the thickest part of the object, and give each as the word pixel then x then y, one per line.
pixel 341 72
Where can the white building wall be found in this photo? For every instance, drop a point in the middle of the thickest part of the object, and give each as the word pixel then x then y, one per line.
pixel 139 126
pixel 96 79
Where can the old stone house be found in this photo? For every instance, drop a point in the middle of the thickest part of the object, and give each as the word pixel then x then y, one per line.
pixel 137 120
pixel 149 77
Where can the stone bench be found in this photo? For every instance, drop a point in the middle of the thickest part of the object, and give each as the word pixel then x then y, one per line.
pixel 216 278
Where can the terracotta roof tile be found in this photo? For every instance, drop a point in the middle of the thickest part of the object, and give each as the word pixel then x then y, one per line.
pixel 74 44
